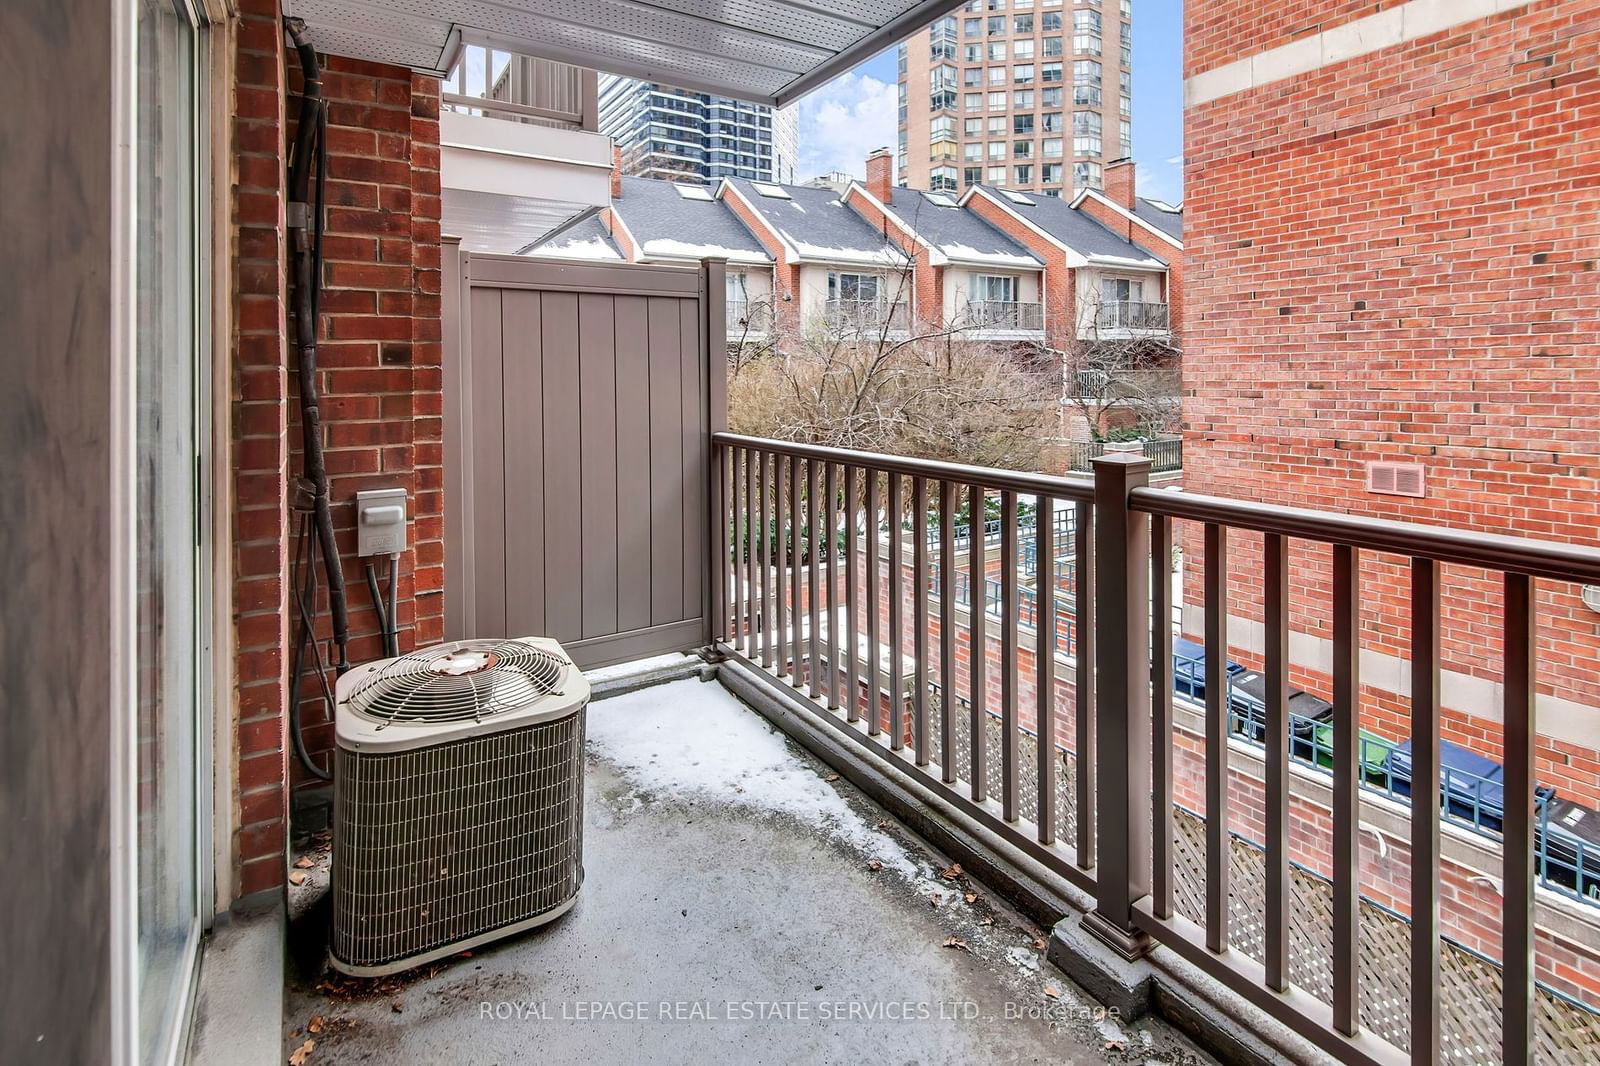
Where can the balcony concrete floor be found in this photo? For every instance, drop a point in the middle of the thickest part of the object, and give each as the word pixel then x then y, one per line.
pixel 777 912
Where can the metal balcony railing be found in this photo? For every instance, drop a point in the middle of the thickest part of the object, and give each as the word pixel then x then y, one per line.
pixel 866 316
pixel 748 317
pixel 1005 314
pixel 1131 315
pixel 1165 453
pixel 1081 774
pixel 521 88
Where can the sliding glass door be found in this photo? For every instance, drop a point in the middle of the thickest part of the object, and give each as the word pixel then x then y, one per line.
pixel 168 345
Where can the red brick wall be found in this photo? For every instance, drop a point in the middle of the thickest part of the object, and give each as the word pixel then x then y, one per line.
pixel 1220 31
pixel 1393 258
pixel 261 390
pixel 379 362
pixel 619 233
pixel 379 342
pixel 1121 184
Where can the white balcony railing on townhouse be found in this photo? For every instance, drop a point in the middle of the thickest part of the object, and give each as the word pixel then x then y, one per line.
pixel 523 89
pixel 867 316
pixel 1005 315
pixel 1131 315
pixel 748 318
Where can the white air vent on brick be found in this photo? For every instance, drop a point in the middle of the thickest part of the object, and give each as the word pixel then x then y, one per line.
pixel 1395 479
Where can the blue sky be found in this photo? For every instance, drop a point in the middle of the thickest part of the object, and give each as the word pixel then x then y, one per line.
pixel 855 113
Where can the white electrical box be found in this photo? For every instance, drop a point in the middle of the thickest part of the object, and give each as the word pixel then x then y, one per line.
pixel 381 522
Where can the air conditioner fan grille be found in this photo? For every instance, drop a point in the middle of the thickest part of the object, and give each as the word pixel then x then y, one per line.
pixel 464 681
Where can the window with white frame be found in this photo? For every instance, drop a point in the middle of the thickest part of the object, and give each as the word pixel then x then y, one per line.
pixel 858 288
pixel 994 288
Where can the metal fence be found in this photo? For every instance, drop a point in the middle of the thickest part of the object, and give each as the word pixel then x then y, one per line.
pixel 1123 843
pixel 1165 454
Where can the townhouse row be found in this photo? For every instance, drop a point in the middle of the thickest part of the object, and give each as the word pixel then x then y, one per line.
pixel 993 265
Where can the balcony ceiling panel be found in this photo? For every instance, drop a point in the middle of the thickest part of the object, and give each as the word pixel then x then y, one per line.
pixel 764 51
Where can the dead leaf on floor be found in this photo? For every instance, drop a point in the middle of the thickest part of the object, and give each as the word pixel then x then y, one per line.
pixel 957 943
pixel 1052 991
pixel 1039 943
pixel 299 1055
pixel 297 877
pixel 951 872
pixel 397 1006
pixel 971 897
pixel 874 865
pixel 305 862
pixel 831 777
pixel 1116 1045
pixel 315 1024
pixel 883 823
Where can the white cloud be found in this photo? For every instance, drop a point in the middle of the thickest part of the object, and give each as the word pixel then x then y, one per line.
pixel 843 121
pixel 1162 181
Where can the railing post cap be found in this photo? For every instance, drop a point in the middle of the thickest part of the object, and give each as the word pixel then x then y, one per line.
pixel 1130 461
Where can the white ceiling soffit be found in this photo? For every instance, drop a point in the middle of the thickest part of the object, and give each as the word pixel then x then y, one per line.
pixel 763 51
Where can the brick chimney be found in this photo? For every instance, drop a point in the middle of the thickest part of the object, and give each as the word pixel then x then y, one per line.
pixel 880 174
pixel 1121 183
pixel 616 172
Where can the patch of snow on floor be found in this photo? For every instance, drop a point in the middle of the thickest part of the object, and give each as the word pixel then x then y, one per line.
pixel 637 666
pixel 693 739
pixel 1023 958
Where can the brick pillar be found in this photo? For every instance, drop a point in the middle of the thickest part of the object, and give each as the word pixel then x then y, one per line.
pixel 880 174
pixel 379 374
pixel 259 369
pixel 1121 182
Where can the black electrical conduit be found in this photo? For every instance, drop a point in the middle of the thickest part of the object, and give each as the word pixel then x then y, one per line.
pixel 312 503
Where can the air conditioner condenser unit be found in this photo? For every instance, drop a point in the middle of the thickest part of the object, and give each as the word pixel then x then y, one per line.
pixel 458 800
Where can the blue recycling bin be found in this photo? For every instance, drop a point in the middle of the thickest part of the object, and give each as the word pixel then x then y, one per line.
pixel 1472 785
pixel 1189 669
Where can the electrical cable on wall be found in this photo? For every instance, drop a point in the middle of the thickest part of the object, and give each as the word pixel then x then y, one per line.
pixel 311 502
